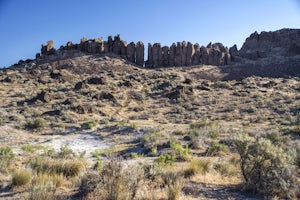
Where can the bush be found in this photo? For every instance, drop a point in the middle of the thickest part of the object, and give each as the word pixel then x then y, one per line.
pixel 197 166
pixel 166 160
pixel 37 124
pixel 179 152
pixel 57 166
pixel 174 185
pixel 6 155
pixel 45 192
pixel 43 179
pixel 216 149
pixel 226 169
pixel 21 177
pixel 114 181
pixel 89 124
pixel 266 166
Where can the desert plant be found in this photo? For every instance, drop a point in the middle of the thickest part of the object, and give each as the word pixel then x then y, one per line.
pixel 6 155
pixel 21 177
pixel 226 169
pixel 28 148
pixel 45 192
pixel 174 184
pixel 197 166
pixel 114 181
pixel 179 152
pixel 42 179
pixel 216 148
pixel 266 166
pixel 89 124
pixel 57 166
pixel 166 160
pixel 36 125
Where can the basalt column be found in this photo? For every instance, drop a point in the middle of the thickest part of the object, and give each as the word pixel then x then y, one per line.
pixel 165 56
pixel 178 55
pixel 189 54
pixel 130 52
pixel 184 53
pixel 157 55
pixel 149 62
pixel 197 55
pixel 172 51
pixel 140 49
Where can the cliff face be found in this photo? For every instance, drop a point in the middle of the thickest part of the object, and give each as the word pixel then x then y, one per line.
pixel 284 42
pixel 273 54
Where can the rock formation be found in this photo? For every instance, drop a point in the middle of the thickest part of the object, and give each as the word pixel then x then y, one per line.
pixel 269 46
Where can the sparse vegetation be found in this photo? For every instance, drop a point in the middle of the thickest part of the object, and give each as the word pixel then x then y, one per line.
pixel 21 177
pixel 178 125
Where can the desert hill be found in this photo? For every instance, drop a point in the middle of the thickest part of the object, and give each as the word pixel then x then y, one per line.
pixel 182 111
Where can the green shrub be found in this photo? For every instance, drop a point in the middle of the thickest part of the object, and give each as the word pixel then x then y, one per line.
pixel 166 160
pixel 216 148
pixel 267 167
pixel 89 124
pixel 180 152
pixel 6 155
pixel 151 139
pixel 21 177
pixel 37 124
pixel 2 121
pixel 134 155
pixel 28 148
pixel 133 126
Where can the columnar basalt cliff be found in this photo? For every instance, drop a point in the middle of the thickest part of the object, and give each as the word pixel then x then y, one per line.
pixel 179 54
pixel 279 48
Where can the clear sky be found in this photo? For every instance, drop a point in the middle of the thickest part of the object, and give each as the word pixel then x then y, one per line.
pixel 26 24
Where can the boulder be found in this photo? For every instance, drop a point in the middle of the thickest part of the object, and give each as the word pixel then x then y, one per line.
pixel 96 81
pixel 48 49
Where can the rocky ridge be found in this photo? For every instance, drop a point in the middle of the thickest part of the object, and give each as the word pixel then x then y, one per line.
pixel 273 54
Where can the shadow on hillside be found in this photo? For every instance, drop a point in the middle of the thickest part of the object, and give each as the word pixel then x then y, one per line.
pixel 219 192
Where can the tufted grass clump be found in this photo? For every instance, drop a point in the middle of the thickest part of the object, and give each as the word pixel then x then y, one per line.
pixel 201 166
pixel 21 177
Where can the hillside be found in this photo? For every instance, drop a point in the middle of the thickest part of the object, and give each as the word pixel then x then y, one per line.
pixel 182 123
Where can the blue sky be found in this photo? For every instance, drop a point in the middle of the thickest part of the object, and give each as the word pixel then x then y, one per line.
pixel 26 24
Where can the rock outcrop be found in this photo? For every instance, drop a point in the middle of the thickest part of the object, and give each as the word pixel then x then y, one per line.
pixel 266 47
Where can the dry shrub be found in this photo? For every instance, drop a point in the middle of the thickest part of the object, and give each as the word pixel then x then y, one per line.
pixel 174 184
pixel 197 166
pixel 68 168
pixel 114 181
pixel 21 177
pixel 267 165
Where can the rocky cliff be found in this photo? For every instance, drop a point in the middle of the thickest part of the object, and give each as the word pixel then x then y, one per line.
pixel 271 54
